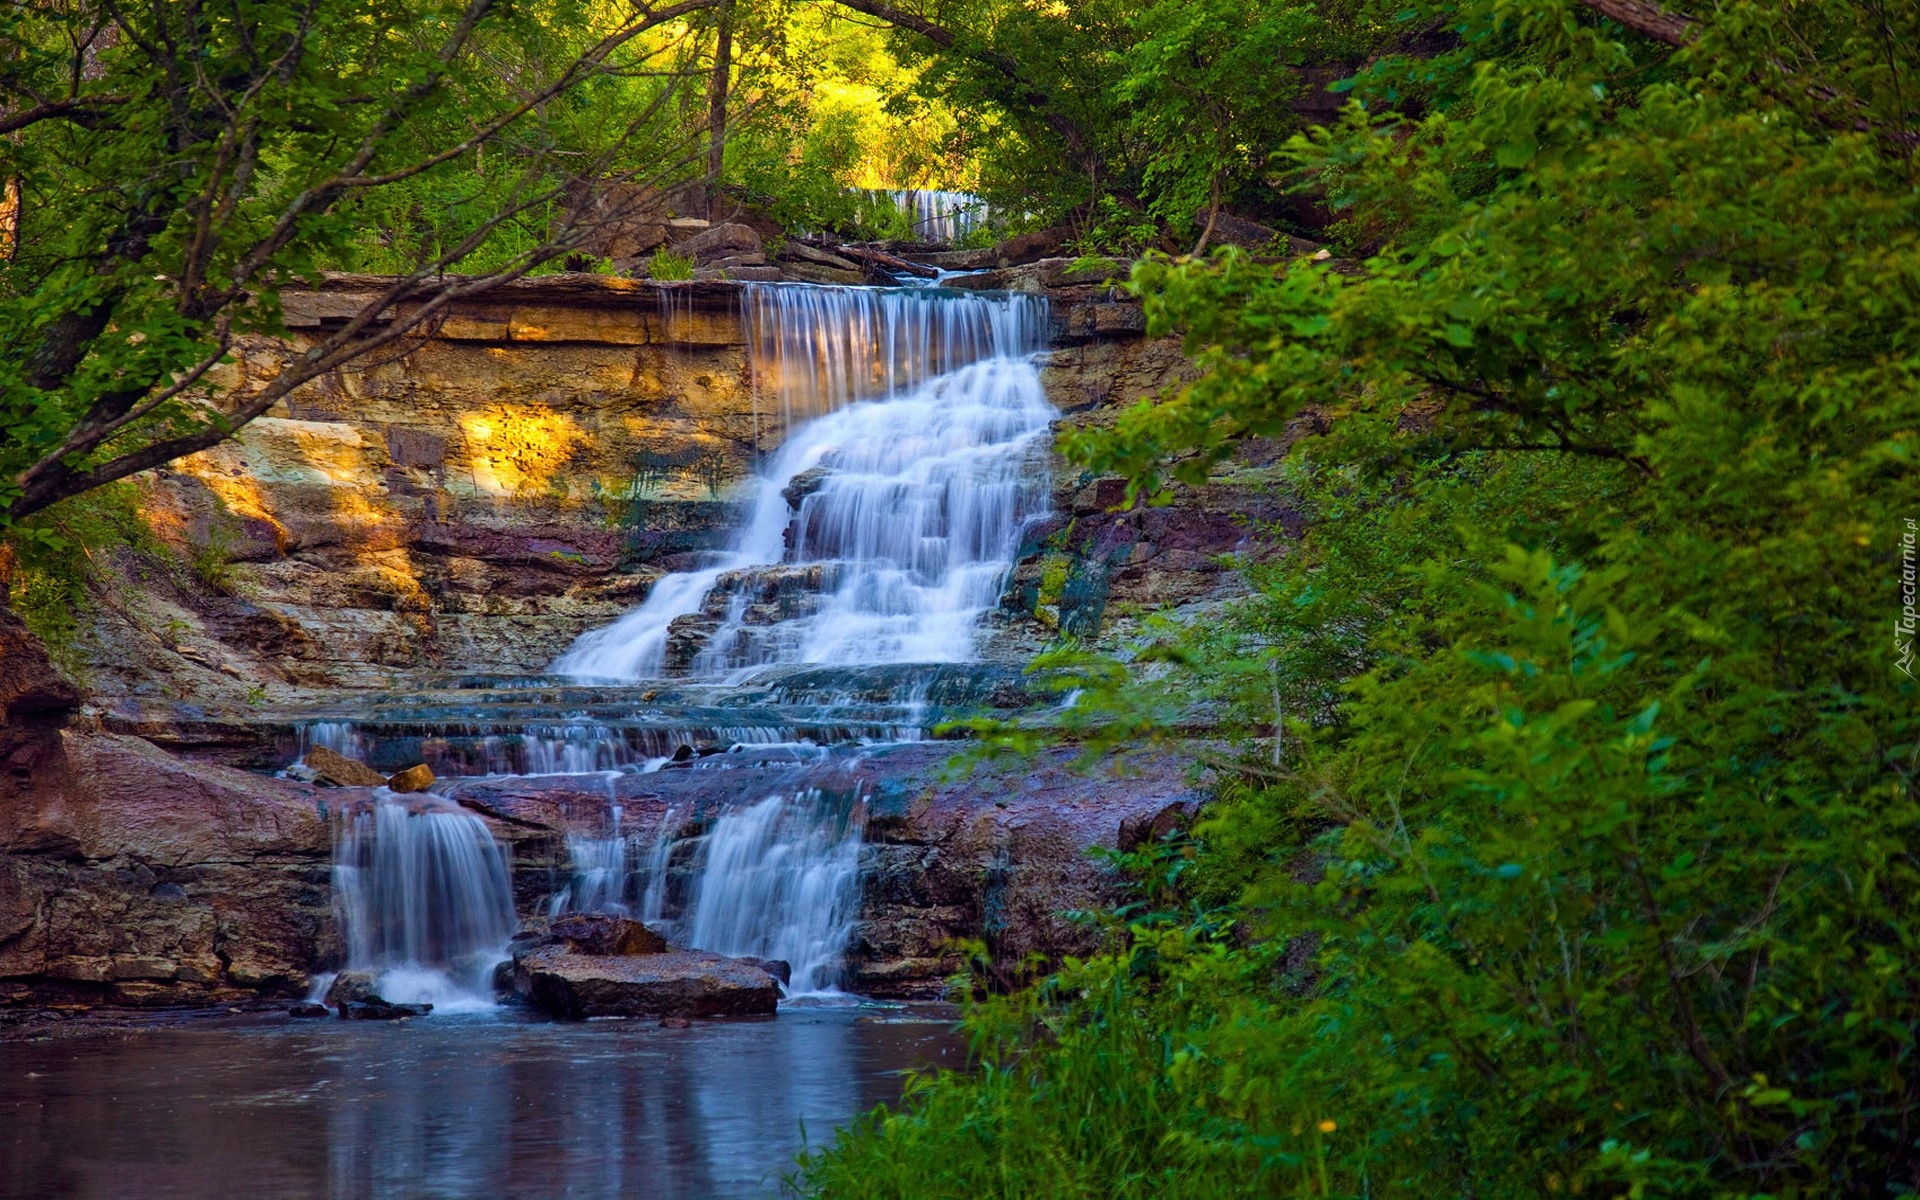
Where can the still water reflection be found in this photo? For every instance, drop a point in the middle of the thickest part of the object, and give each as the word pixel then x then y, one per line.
pixel 448 1106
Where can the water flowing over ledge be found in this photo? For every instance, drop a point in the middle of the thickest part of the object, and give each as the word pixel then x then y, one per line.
pixel 885 525
pixel 425 898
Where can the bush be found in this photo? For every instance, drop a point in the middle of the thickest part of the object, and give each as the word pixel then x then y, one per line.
pixel 668 267
pixel 1585 864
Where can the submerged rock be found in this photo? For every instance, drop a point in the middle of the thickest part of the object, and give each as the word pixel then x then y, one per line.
pixel 373 1008
pixel 678 983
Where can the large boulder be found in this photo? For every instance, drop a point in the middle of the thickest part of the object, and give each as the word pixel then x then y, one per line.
pixel 733 244
pixel 678 983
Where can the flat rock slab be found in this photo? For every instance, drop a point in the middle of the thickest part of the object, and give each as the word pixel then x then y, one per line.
pixel 678 983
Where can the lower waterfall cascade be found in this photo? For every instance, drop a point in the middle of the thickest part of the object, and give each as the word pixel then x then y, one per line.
pixel 425 897
pixel 844 612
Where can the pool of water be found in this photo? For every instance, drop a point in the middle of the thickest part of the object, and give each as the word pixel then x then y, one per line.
pixel 473 1105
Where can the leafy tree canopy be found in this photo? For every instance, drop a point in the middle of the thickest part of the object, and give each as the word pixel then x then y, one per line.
pixel 1570 849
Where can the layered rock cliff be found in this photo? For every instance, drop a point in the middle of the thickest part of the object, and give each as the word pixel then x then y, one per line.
pixel 467 504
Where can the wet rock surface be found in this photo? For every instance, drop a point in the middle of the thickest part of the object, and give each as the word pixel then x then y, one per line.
pixel 675 983
pixel 604 933
pixel 130 877
pixel 1002 853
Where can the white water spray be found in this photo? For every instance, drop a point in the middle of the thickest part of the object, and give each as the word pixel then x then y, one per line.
pixel 424 897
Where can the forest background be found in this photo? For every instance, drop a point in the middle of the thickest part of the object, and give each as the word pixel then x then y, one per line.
pixel 1564 819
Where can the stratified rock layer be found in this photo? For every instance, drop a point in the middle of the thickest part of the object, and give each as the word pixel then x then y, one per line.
pixel 130 876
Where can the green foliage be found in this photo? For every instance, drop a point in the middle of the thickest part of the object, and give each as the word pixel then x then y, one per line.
pixel 50 561
pixel 1131 117
pixel 1585 862
pixel 179 169
pixel 669 267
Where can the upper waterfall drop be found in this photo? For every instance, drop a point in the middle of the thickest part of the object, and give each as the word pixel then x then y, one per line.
pixel 887 521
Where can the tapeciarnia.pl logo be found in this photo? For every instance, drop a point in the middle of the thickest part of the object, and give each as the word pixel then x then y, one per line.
pixel 1903 625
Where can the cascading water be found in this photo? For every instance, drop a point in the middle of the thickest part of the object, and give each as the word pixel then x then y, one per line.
pixel 910 427
pixel 776 880
pixel 901 502
pixel 424 897
pixel 938 216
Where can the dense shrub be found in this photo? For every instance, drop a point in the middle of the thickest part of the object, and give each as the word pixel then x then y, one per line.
pixel 1588 863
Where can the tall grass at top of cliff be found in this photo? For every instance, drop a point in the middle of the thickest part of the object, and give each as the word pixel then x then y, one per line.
pixel 668 267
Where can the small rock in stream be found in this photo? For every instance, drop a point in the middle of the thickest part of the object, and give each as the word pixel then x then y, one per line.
pixel 417 778
pixel 307 1009
pixel 373 1008
pixel 349 986
pixel 675 1023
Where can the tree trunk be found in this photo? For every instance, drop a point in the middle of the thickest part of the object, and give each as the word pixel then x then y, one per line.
pixel 717 109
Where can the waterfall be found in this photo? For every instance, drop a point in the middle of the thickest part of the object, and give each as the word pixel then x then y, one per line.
pixel 774 879
pixel 424 897
pixel 900 502
pixel 818 349
pixel 778 880
pixel 937 216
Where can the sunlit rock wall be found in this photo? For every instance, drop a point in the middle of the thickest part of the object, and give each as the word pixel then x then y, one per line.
pixel 466 501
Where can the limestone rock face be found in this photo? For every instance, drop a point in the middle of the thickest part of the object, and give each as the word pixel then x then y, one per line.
pixel 677 983
pixel 465 506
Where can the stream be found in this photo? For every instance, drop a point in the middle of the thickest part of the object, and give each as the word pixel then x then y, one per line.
pixel 455 1106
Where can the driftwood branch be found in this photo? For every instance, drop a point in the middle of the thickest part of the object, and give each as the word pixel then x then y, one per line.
pixel 1648 20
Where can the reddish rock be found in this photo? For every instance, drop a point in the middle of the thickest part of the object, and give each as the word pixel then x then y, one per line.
pixel 679 983
pixel 133 877
pixel 603 933
pixel 30 688
pixel 337 770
